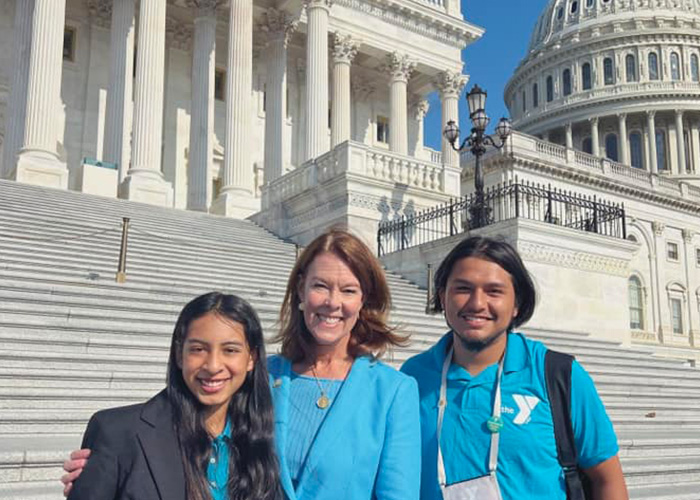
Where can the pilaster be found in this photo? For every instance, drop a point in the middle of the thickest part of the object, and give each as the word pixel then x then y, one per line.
pixel 450 85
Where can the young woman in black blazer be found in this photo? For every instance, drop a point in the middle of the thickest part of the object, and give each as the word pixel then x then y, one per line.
pixel 209 434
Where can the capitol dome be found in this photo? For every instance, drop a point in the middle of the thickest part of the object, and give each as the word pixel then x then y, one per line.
pixel 607 76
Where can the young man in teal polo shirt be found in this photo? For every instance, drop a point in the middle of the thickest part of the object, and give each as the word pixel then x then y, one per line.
pixel 496 420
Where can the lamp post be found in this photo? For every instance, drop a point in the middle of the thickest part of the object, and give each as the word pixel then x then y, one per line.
pixel 477 142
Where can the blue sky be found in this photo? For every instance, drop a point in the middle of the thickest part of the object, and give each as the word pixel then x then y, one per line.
pixel 491 60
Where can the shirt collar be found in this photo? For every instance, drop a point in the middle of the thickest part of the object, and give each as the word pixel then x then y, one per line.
pixel 517 356
pixel 226 434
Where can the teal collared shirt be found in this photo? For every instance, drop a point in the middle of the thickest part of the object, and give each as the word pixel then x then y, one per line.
pixel 527 458
pixel 217 470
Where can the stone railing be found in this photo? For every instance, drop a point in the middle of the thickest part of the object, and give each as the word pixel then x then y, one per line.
pixel 522 145
pixel 353 158
pixel 435 156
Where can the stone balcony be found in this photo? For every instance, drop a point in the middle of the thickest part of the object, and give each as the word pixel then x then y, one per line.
pixel 353 185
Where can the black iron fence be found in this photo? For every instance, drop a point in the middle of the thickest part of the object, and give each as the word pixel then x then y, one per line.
pixel 511 200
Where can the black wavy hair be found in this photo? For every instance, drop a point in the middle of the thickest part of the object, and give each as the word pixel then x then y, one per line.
pixel 253 466
pixel 499 252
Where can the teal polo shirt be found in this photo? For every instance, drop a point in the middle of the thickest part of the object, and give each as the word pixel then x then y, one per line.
pixel 217 468
pixel 527 459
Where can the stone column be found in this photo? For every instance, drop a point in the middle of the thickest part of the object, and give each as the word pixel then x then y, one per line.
pixel 651 138
pixel 623 139
pixel 119 97
pixel 450 86
pixel 400 68
pixel 279 26
pixel 199 172
pixel 695 141
pixel 680 142
pixel 38 161
pixel 569 135
pixel 237 189
pixel 595 140
pixel 17 99
pixel 317 12
pixel 144 181
pixel 344 51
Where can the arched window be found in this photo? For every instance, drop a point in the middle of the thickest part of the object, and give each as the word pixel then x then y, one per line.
pixel 653 66
pixel 636 155
pixel 550 89
pixel 661 156
pixel 586 76
pixel 694 69
pixel 675 66
pixel 688 151
pixel 587 145
pixel 535 96
pixel 566 81
pixel 524 101
pixel 630 68
pixel 589 3
pixel 574 7
pixel 611 147
pixel 608 73
pixel 636 301
pixel 560 13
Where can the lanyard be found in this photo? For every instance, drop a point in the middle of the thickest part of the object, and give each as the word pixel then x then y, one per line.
pixel 495 416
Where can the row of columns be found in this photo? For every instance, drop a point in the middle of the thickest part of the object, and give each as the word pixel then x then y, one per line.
pixel 40 26
pixel 623 141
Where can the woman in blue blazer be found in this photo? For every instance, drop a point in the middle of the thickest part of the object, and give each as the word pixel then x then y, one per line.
pixel 346 425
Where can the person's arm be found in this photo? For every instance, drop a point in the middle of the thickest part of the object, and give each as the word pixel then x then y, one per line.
pixel 73 466
pixel 607 480
pixel 398 477
pixel 98 479
pixel 595 438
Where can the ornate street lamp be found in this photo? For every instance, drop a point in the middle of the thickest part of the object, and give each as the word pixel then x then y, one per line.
pixel 477 142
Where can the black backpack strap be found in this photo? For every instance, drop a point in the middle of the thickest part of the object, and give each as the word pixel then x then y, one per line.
pixel 557 368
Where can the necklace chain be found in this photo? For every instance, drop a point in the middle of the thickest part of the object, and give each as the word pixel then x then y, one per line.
pixel 323 400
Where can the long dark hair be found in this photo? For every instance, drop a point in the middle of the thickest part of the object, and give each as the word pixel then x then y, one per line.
pixel 253 467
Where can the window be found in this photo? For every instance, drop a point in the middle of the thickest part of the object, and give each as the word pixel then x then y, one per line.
pixel 550 89
pixel 608 74
pixel 636 303
pixel 560 13
pixel 69 39
pixel 383 129
pixel 587 145
pixel 677 315
pixel 611 147
pixel 219 84
pixel 524 101
pixel 672 251
pixel 535 96
pixel 589 3
pixel 630 68
pixel 675 67
pixel 636 154
pixel 566 77
pixel 653 66
pixel 574 7
pixel 586 76
pixel 661 155
pixel 697 257
pixel 694 70
pixel 688 151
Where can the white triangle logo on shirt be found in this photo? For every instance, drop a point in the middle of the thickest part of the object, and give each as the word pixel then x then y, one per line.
pixel 525 406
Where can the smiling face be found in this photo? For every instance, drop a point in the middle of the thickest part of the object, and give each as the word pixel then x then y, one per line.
pixel 215 360
pixel 479 302
pixel 331 299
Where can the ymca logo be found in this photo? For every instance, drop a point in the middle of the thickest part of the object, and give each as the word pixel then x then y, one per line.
pixel 525 406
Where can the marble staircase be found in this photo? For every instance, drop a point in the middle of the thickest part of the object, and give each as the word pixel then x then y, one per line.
pixel 73 341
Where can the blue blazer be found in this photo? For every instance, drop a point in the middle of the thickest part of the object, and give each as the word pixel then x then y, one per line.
pixel 368 447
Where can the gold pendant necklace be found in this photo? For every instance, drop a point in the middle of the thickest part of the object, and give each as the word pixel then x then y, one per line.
pixel 323 400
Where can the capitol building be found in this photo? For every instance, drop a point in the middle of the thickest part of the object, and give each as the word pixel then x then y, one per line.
pixel 219 116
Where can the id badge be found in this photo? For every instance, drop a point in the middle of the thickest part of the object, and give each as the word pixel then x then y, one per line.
pixel 480 488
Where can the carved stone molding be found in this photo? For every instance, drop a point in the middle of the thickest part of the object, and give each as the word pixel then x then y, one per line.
pixel 100 12
pixel 399 66
pixel 572 259
pixel 205 5
pixel 688 235
pixel 450 84
pixel 344 48
pixel 278 24
pixel 318 4
pixel 420 108
pixel 178 34
pixel 658 227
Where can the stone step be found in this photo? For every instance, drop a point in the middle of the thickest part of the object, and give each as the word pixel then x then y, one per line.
pixel 677 491
pixel 668 470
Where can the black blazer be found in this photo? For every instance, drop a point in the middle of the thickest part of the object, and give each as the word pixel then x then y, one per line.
pixel 135 455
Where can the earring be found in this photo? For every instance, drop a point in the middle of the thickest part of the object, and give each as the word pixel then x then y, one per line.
pixel 301 306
